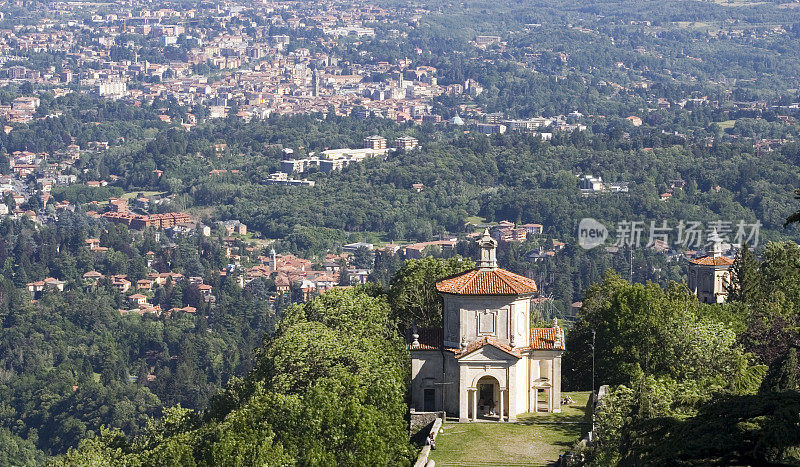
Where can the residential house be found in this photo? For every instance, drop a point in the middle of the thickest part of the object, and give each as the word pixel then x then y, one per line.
pixel 92 277
pixel 36 289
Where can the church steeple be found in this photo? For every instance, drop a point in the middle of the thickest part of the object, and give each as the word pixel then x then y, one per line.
pixel 488 246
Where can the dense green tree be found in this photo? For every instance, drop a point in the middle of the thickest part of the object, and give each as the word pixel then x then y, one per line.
pixel 744 285
pixel 328 389
pixel 695 411
pixel 412 291
pixel 758 429
pixel 644 329
pixel 18 452
pixel 782 374
pixel 362 258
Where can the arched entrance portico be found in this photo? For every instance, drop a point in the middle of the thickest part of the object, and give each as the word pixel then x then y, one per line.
pixel 488 400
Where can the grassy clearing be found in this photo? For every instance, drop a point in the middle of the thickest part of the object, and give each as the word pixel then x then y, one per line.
pixel 503 443
pixel 479 221
pixel 734 3
pixel 147 194
pixel 692 24
pixel 569 413
pixel 726 124
pixel 537 439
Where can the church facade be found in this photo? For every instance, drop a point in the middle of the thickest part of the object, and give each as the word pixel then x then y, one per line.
pixel 486 362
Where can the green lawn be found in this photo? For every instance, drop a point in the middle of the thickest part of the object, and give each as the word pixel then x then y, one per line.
pixel 147 194
pixel 569 413
pixel 726 124
pixel 536 439
pixel 476 220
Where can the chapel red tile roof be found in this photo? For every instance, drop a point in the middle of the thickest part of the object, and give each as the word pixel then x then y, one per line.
pixel 483 342
pixel 487 282
pixel 545 339
pixel 429 339
pixel 712 261
pixel 541 339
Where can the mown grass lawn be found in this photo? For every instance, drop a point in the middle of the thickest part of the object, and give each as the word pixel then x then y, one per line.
pixel 569 413
pixel 132 194
pixel 536 439
pixel 477 220
pixel 727 124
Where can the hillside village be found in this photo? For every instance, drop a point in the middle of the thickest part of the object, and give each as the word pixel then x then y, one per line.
pixel 298 279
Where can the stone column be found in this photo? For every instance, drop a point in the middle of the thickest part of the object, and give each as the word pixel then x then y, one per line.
pixel 557 384
pixel 474 405
pixel 463 405
pixel 501 405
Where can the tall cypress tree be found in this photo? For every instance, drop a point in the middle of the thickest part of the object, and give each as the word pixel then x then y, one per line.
pixel 744 282
pixel 782 374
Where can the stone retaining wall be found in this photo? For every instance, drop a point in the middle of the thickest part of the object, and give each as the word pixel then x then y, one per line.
pixel 422 460
pixel 419 420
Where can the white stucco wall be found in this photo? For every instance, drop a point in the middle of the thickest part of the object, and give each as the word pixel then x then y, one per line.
pixel 519 394
pixel 426 373
pixel 504 318
pixel 709 282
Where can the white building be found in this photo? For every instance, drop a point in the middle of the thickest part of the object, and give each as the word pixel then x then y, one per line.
pixel 356 154
pixel 406 143
pixel 375 142
pixel 486 362
pixel 281 178
pixel 111 89
pixel 590 183
pixel 528 126
pixel 709 276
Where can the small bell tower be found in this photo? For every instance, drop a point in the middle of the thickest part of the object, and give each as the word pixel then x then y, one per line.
pixel 488 246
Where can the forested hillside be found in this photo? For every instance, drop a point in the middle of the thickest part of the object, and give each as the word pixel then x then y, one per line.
pixel 327 389
pixel 73 363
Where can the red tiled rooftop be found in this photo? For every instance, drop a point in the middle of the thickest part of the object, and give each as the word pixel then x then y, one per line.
pixel 429 339
pixel 540 339
pixel 545 339
pixel 487 282
pixel 480 343
pixel 713 261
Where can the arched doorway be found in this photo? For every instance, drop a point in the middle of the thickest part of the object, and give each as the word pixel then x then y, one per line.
pixel 488 398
